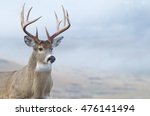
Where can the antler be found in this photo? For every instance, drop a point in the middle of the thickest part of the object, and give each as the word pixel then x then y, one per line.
pixel 26 23
pixel 59 31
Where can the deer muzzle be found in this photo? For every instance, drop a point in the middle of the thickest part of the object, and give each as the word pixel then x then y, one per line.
pixel 51 59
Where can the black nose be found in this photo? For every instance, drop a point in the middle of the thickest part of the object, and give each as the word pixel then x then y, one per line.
pixel 51 59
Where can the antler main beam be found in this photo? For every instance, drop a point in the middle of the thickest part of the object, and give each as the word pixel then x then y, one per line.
pixel 26 23
pixel 58 22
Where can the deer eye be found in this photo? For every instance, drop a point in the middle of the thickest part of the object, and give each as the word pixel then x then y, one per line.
pixel 40 49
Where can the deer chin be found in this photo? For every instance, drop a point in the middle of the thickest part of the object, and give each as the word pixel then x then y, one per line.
pixel 43 67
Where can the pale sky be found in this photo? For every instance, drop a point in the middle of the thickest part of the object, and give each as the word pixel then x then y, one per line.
pixel 104 34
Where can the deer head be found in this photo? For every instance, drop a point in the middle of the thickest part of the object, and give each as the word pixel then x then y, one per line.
pixel 43 48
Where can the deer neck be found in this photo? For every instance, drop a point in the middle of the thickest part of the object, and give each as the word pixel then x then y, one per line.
pixel 32 62
pixel 35 66
pixel 40 80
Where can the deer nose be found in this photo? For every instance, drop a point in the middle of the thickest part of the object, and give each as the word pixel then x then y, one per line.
pixel 51 59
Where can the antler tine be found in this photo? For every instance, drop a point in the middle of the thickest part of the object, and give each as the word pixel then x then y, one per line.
pixel 67 15
pixel 25 23
pixel 22 16
pixel 64 15
pixel 28 14
pixel 66 18
pixel 37 33
pixel 47 32
pixel 57 21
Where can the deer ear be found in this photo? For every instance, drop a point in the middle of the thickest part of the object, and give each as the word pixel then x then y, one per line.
pixel 57 41
pixel 29 41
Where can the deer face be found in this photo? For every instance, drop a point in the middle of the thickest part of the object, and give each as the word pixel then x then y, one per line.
pixel 43 52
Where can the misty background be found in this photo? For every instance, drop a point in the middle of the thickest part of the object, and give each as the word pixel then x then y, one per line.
pixel 111 36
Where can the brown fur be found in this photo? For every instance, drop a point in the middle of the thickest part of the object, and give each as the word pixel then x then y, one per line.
pixel 26 83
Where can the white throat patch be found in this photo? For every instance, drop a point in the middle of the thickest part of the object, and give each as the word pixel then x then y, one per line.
pixel 40 67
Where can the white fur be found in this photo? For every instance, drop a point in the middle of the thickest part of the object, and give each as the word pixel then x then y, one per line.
pixel 40 67
pixel 46 58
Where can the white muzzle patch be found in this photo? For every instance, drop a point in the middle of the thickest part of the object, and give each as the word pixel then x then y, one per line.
pixel 46 59
pixel 40 67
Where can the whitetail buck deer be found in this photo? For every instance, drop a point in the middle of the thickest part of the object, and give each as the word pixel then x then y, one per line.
pixel 34 80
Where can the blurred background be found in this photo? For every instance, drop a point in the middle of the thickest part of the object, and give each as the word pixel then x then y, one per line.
pixel 106 36
pixel 105 53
